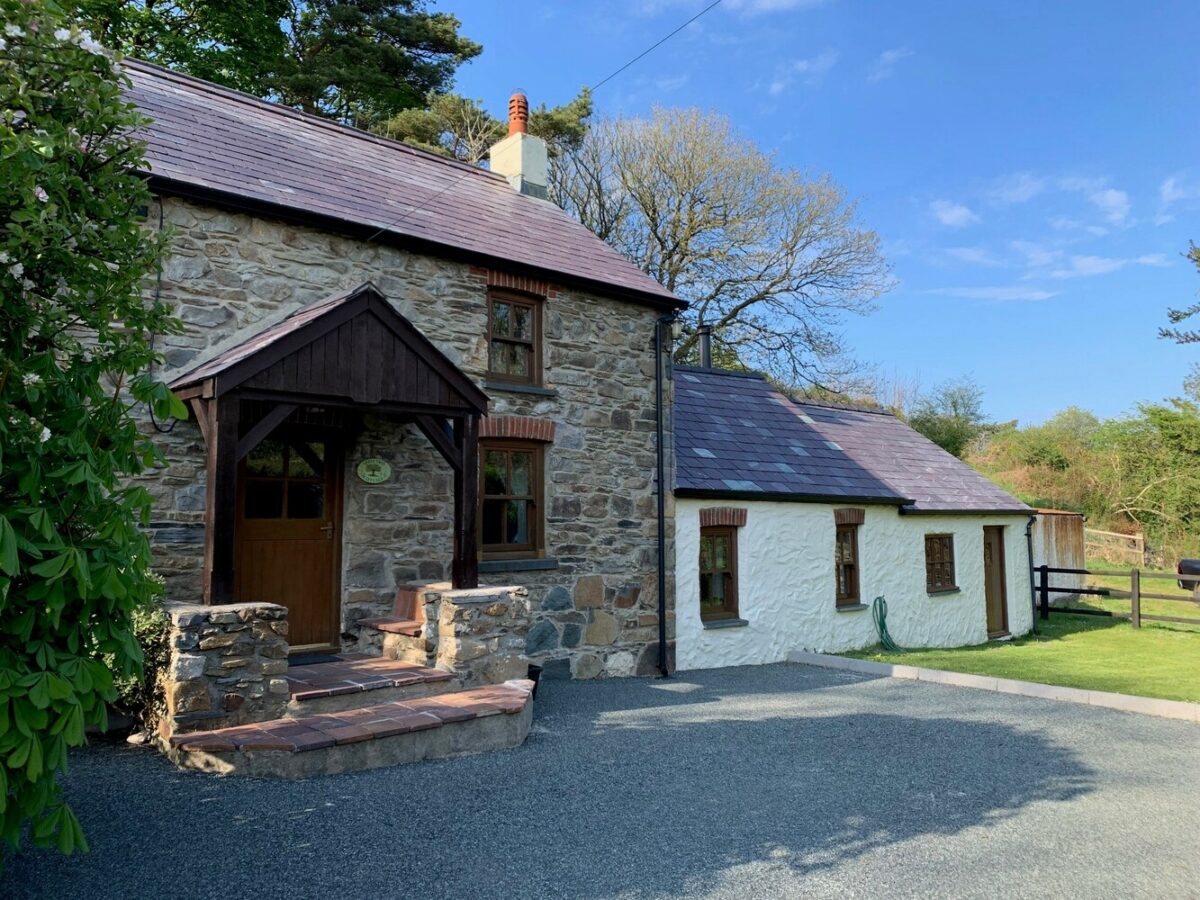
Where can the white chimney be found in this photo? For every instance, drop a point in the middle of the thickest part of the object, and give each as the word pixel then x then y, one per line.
pixel 521 157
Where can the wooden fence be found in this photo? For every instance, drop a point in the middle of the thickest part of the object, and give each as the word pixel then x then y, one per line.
pixel 1135 595
pixel 1115 547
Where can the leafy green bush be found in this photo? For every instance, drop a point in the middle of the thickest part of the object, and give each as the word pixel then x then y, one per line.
pixel 141 696
pixel 74 352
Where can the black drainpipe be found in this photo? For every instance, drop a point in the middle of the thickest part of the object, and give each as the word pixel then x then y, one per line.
pixel 661 461
pixel 1032 589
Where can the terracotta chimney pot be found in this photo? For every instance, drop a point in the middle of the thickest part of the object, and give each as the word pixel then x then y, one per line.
pixel 518 114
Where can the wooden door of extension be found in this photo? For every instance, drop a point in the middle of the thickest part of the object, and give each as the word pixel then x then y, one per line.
pixel 994 586
pixel 289 534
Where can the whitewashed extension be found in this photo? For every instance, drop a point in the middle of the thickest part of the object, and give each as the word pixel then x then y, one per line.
pixel 792 517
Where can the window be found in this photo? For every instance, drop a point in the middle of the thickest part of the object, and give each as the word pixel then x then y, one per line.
pixel 939 563
pixel 514 339
pixel 718 573
pixel 846 560
pixel 510 522
pixel 285 479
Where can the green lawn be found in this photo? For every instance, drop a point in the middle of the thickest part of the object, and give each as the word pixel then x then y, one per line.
pixel 1090 652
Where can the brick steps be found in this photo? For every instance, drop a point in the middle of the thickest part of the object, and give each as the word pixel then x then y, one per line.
pixel 394 625
pixel 335 686
pixel 493 717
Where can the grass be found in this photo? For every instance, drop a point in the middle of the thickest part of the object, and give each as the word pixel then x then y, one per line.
pixel 1089 652
pixel 1149 585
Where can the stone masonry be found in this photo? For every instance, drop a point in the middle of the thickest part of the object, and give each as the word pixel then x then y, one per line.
pixel 479 635
pixel 227 666
pixel 593 600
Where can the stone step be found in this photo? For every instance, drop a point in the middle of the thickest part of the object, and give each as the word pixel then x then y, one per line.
pixel 494 717
pixel 394 625
pixel 355 681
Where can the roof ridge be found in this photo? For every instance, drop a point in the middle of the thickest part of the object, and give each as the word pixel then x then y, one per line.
pixel 287 111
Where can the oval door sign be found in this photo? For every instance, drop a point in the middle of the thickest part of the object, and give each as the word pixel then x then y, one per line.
pixel 374 471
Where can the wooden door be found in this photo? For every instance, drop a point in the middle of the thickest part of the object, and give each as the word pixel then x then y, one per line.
pixel 995 589
pixel 289 533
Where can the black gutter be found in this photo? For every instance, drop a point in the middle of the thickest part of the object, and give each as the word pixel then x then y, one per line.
pixel 663 322
pixel 716 494
pixel 292 215
pixel 1032 590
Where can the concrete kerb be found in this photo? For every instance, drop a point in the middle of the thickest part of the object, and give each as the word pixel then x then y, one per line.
pixel 1148 706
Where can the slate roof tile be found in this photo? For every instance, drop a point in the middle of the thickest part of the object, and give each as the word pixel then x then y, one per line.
pixel 761 441
pixel 208 137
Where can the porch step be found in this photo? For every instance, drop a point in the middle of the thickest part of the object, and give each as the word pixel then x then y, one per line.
pixel 394 625
pixel 335 686
pixel 493 717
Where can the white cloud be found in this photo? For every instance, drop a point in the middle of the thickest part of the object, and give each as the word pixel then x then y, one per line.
pixel 810 70
pixel 1020 187
pixel 952 215
pixel 885 63
pixel 1087 266
pixel 1112 203
pixel 671 83
pixel 996 293
pixel 1036 254
pixel 976 256
pixel 1178 188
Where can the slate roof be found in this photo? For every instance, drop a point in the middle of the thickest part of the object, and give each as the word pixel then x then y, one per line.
pixel 206 138
pixel 737 436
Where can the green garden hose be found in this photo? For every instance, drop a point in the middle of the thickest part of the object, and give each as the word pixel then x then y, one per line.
pixel 879 614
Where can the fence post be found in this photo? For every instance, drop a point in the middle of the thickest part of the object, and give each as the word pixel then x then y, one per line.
pixel 1135 598
pixel 1044 590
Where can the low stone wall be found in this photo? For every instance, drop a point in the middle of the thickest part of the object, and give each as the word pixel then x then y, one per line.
pixel 479 634
pixel 227 666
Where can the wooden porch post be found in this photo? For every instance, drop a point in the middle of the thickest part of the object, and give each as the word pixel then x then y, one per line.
pixel 465 573
pixel 221 506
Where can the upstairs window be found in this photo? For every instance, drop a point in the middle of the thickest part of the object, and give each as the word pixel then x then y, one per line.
pixel 718 573
pixel 939 563
pixel 514 338
pixel 510 520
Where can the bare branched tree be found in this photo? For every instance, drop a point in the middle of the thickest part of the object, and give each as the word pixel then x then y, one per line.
pixel 770 258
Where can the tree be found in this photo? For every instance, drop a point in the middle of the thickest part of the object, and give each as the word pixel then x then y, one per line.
pixel 1175 316
pixel 75 351
pixel 357 61
pixel 461 128
pixel 951 416
pixel 768 257
pixel 229 43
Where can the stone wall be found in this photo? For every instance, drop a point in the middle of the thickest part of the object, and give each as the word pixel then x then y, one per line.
pixel 593 602
pixel 227 666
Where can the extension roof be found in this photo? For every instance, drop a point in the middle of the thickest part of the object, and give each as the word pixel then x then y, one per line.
pixel 221 146
pixel 736 436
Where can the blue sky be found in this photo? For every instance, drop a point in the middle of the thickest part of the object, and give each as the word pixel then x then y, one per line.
pixel 1032 168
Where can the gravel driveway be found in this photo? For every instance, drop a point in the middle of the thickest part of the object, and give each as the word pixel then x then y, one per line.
pixel 773 781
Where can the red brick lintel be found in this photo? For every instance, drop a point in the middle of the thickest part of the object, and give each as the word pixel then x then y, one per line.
pixel 849 516
pixel 722 515
pixel 521 283
pixel 525 428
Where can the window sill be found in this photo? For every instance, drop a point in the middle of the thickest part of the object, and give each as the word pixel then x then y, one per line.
pixel 852 607
pixel 943 591
pixel 515 387
pixel 725 623
pixel 517 565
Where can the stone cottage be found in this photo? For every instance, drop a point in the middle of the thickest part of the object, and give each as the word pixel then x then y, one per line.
pixel 408 377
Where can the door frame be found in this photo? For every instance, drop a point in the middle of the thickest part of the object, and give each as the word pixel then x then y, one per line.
pixel 335 452
pixel 999 563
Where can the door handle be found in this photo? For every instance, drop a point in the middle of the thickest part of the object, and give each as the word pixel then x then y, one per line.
pixel 328 529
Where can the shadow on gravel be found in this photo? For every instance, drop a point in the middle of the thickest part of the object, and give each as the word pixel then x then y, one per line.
pixel 635 788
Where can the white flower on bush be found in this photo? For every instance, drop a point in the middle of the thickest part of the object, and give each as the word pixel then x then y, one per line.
pixel 62 34
pixel 14 31
pixel 29 379
pixel 16 270
pixel 45 434
pixel 40 193
pixel 4 257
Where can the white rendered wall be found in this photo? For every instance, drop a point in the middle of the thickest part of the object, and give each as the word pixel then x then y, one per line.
pixel 786 583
